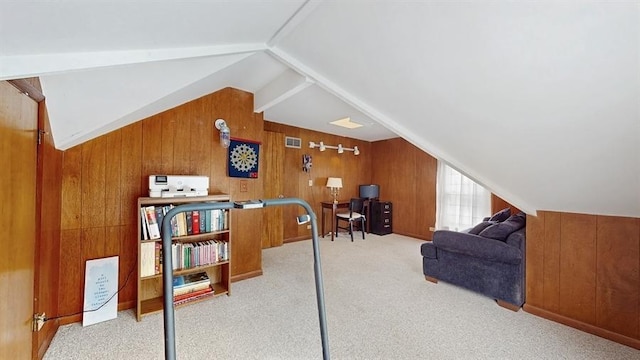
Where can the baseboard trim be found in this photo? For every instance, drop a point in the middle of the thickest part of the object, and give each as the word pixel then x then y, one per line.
pixel 297 238
pixel 126 305
pixel 246 275
pixel 592 329
pixel 415 236
pixel 48 337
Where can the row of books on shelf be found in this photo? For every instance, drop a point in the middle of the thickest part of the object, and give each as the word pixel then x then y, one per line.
pixel 184 223
pixel 191 287
pixel 183 255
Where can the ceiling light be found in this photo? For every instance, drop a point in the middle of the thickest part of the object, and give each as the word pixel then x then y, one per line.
pixel 346 123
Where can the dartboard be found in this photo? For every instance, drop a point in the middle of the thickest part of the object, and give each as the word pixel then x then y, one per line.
pixel 243 158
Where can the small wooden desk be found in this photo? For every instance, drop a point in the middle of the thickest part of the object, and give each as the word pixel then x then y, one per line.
pixel 333 206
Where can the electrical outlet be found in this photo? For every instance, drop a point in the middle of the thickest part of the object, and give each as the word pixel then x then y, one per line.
pixel 310 182
pixel 38 321
pixel 308 227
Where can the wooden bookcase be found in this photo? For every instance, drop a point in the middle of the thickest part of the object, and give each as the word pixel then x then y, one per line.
pixel 149 299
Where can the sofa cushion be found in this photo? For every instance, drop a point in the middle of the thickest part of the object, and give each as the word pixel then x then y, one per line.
pixel 501 231
pixel 501 215
pixel 476 246
pixel 481 226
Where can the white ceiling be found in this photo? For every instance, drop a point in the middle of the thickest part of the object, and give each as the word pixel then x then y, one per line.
pixel 538 101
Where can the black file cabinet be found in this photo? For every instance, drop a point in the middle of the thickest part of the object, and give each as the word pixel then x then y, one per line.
pixel 381 218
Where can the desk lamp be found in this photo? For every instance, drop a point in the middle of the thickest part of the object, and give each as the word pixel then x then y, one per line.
pixel 335 184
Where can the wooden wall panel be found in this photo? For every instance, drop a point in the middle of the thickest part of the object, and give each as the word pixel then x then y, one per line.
pixel 94 245
pixel 551 261
pixel 94 156
pixel 169 126
pixel 71 188
pixel 618 266
pixel 410 184
pixel 131 179
pixel 426 168
pixel 354 170
pixel 71 275
pixel 272 221
pixel 182 141
pixel 152 149
pixel 214 105
pixel 534 271
pixel 591 267
pixel 578 267
pixel 113 174
pixel 202 133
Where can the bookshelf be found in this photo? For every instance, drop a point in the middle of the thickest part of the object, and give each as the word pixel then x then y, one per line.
pixel 202 246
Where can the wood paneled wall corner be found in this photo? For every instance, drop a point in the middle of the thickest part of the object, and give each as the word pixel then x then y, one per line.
pixel 584 270
pixel 409 182
pixel 102 179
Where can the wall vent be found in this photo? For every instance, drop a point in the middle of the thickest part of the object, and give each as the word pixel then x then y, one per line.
pixel 292 142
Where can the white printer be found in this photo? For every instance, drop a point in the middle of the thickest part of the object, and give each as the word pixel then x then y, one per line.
pixel 168 186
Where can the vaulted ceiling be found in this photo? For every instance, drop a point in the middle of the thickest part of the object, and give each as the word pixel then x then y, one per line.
pixel 538 101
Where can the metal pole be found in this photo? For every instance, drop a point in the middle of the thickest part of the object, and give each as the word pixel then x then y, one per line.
pixel 167 271
pixel 317 268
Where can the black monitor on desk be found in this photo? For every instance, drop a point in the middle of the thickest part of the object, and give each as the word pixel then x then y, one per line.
pixel 369 191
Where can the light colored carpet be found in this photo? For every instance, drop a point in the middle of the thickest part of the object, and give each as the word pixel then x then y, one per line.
pixel 378 307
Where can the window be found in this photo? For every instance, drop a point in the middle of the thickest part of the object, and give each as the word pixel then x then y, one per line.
pixel 460 202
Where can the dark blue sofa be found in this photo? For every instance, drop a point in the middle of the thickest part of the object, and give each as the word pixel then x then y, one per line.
pixel 488 259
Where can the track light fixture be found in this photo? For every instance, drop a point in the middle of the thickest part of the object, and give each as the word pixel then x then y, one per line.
pixel 341 149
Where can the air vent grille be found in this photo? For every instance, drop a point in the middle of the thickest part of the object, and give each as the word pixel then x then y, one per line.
pixel 292 142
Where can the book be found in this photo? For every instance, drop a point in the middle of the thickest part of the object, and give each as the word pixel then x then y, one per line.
pixel 189 222
pixel 215 220
pixel 182 224
pixel 193 294
pixel 147 258
pixel 190 288
pixel 143 222
pixel 203 221
pixel 193 298
pixel 158 257
pixel 154 230
pixel 195 222
pixel 189 279
pixel 185 284
pixel 159 216
pixel 225 220
pixel 207 221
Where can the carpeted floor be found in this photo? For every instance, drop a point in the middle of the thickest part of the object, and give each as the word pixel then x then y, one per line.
pixel 378 307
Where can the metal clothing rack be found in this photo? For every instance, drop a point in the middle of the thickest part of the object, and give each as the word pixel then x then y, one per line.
pixel 167 270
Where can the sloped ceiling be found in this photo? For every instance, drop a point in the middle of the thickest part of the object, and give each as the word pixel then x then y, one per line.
pixel 539 102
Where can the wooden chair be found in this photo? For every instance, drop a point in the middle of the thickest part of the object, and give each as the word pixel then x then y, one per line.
pixel 355 214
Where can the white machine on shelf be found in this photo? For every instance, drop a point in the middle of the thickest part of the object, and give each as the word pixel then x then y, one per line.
pixel 169 186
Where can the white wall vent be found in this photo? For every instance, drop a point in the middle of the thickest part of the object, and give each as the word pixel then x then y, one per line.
pixel 292 142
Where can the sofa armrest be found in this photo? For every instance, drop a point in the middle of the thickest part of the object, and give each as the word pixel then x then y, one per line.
pixel 476 246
